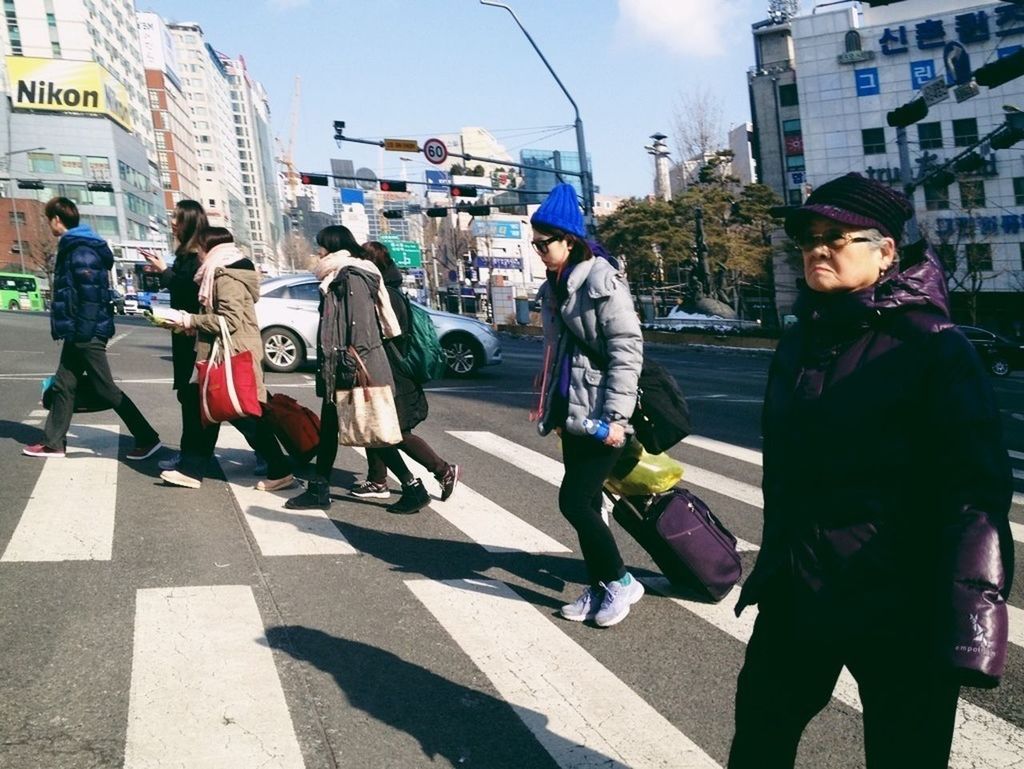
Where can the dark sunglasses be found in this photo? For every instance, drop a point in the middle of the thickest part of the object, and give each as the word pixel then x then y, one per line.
pixel 541 246
pixel 834 240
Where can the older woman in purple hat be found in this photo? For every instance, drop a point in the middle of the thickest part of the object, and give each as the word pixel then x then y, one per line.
pixel 886 545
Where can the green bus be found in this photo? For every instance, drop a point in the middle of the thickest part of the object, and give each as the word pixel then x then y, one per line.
pixel 19 291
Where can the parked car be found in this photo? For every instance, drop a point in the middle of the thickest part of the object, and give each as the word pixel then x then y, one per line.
pixel 1000 354
pixel 288 316
pixel 131 304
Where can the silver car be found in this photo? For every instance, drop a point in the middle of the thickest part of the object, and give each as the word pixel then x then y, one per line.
pixel 288 314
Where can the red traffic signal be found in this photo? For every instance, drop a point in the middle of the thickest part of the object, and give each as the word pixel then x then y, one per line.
pixel 318 180
pixel 388 186
pixel 464 191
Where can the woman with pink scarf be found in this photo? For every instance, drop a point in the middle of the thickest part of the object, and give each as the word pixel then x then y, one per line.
pixel 229 287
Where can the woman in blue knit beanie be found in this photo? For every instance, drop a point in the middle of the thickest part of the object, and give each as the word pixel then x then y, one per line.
pixel 593 352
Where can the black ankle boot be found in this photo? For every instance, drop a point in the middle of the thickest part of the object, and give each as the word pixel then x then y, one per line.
pixel 414 498
pixel 316 495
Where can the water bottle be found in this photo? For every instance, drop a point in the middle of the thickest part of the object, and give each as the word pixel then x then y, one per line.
pixel 597 428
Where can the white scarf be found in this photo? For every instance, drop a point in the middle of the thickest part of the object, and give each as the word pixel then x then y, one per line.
pixel 327 269
pixel 218 256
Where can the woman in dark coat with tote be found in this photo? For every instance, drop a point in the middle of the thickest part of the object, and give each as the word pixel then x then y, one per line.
pixel 886 545
pixel 411 404
pixel 355 310
pixel 179 279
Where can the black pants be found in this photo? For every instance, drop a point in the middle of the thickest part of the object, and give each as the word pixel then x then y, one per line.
pixel 191 424
pixel 379 461
pixel 257 432
pixel 588 463
pixel 793 660
pixel 77 358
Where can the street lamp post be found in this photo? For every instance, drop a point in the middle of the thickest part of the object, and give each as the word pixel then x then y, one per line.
pixel 581 146
pixel 14 199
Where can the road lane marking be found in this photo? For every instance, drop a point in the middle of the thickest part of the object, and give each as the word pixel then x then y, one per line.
pixel 982 739
pixel 70 514
pixel 551 470
pixel 579 711
pixel 204 690
pixel 276 529
pixel 720 447
pixel 488 524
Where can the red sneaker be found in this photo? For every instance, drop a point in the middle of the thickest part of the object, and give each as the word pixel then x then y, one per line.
pixel 144 450
pixel 41 450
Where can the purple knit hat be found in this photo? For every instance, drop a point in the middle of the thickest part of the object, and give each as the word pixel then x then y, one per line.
pixel 854 200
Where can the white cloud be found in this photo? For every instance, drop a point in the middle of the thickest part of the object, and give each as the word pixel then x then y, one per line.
pixel 698 28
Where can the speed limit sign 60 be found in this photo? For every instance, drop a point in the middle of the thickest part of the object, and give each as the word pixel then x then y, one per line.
pixel 435 151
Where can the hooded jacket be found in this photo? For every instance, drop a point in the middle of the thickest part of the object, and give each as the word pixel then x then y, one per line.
pixel 80 309
pixel 882 447
pixel 599 312
pixel 236 289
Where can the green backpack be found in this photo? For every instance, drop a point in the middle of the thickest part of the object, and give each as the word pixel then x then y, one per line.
pixel 424 359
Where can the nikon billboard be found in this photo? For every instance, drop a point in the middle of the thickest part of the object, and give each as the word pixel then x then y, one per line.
pixel 59 85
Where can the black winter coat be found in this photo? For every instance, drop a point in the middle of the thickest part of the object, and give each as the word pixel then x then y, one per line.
pixel 179 280
pixel 410 400
pixel 81 309
pixel 881 436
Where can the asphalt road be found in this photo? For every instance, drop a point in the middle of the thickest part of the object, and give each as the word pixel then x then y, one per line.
pixel 147 626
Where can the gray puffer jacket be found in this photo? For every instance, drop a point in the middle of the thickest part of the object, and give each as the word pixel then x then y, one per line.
pixel 599 311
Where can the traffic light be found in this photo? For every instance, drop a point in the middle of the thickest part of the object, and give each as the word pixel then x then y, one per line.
pixel 100 186
pixel 477 210
pixel 969 163
pixel 464 191
pixel 437 213
pixel 1012 131
pixel 392 213
pixel 318 180
pixel 30 184
pixel 941 179
pixel 1001 70
pixel 339 130
pixel 388 186
pixel 907 114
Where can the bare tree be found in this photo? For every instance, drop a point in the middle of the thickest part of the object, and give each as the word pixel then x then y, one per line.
pixel 298 253
pixel 697 124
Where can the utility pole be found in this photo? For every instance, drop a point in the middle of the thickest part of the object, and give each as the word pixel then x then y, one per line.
pixel 701 249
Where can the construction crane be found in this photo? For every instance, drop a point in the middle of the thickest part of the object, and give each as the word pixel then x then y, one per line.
pixel 292 178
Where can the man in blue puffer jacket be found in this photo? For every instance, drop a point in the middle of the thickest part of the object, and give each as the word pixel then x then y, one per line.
pixel 81 315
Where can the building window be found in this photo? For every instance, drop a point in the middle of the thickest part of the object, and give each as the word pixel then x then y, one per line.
pixel 790 126
pixel 936 198
pixel 979 256
pixel 1018 190
pixel 947 255
pixel 972 194
pixel 20 217
pixel 929 135
pixel 42 163
pixel 965 132
pixel 873 140
pixel 99 167
pixel 795 162
pixel 788 96
pixel 852 41
pixel 55 49
pixel 71 165
pixel 795 197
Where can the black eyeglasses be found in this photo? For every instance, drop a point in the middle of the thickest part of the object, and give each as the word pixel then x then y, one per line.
pixel 833 240
pixel 541 246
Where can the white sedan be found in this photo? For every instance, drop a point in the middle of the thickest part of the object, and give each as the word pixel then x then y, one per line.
pixel 288 314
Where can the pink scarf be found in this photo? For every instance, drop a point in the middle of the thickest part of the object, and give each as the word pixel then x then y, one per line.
pixel 218 256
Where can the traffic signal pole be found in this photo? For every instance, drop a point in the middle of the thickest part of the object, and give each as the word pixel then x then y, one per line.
pixel 912 229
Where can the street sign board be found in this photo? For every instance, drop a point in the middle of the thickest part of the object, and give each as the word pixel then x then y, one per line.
pixel 405 253
pixel 435 151
pixel 401 145
pixel 934 91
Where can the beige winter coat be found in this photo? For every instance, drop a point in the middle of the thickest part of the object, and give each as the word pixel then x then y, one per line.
pixel 236 291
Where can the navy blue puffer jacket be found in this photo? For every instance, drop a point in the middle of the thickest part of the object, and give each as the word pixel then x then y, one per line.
pixel 81 308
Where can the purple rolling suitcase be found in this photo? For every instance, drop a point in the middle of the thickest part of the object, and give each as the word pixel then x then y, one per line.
pixel 687 542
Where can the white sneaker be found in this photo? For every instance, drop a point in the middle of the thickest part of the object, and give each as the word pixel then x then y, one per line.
pixel 276 484
pixel 175 478
pixel 585 607
pixel 617 600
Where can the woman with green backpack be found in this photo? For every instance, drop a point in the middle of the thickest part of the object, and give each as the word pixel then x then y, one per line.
pixel 411 404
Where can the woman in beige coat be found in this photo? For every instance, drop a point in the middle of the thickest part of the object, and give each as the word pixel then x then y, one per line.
pixel 229 288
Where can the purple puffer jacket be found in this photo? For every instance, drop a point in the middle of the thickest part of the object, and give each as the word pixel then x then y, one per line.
pixel 886 483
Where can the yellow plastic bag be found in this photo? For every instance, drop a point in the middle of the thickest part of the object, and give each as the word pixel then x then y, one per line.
pixel 638 473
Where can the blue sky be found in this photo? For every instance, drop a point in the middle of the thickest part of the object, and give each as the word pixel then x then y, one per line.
pixel 417 68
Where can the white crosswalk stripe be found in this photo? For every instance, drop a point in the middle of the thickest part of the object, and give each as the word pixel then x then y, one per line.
pixel 70 515
pixel 205 693
pixel 581 713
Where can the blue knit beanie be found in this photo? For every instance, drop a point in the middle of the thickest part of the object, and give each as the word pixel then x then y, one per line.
pixel 560 209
